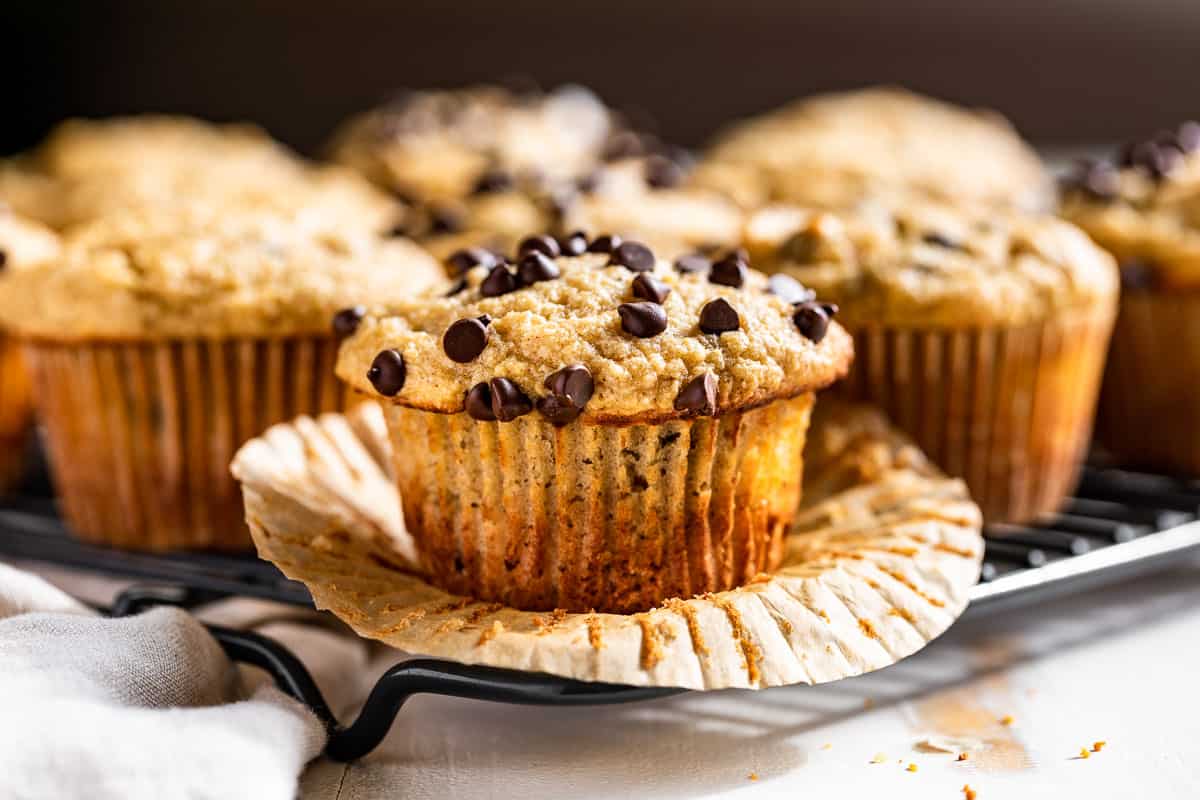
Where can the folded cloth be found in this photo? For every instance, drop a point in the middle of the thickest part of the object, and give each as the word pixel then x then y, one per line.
pixel 142 706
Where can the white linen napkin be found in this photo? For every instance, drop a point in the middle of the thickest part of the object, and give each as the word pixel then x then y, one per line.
pixel 146 706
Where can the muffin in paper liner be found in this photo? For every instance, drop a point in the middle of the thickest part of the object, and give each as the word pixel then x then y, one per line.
pixel 608 517
pixel 879 561
pixel 16 413
pixel 1150 415
pixel 1009 409
pixel 140 435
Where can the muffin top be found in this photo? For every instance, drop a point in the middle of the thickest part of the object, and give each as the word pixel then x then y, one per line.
pixel 23 243
pixel 1143 205
pixel 929 266
pixel 166 275
pixel 611 335
pixel 834 151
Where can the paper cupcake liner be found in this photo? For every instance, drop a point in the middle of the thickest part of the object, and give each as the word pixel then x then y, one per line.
pixel 609 517
pixel 1150 403
pixel 1009 410
pixel 878 566
pixel 16 413
pixel 140 435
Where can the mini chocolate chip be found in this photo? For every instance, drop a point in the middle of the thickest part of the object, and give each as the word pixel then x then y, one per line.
pixel 788 289
pixel 648 287
pixel 718 316
pixel 534 267
pixel 692 263
pixel 570 389
pixel 499 281
pixel 546 245
pixel 1188 136
pixel 662 173
pixel 574 245
pixel 345 322
pixel 698 396
pixel 387 373
pixel 632 255
pixel 457 287
pixel 445 220
pixel 604 244
pixel 479 403
pixel 508 401
pixel 940 240
pixel 462 260
pixel 495 180
pixel 643 320
pixel 464 340
pixel 729 271
pixel 812 320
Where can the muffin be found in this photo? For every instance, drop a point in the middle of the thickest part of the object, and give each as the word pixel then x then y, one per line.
pixel 23 244
pixel 1143 206
pixel 604 430
pixel 158 344
pixel 835 151
pixel 982 337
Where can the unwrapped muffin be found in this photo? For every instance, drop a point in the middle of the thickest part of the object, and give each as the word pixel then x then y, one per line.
pixel 1143 206
pixel 23 244
pixel 835 151
pixel 158 344
pixel 597 430
pixel 981 336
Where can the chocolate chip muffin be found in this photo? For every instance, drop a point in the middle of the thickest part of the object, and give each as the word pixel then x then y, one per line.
pixel 595 427
pixel 835 151
pixel 983 337
pixel 23 244
pixel 1143 206
pixel 158 344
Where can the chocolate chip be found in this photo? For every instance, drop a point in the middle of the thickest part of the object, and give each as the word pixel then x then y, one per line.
pixel 570 389
pixel 499 281
pixel 457 287
pixel 387 373
pixel 508 401
pixel 812 320
pixel 718 316
pixel 729 271
pixel 788 289
pixel 445 220
pixel 940 240
pixel 546 245
pixel 604 244
pixel 648 287
pixel 345 322
pixel 1099 180
pixel 495 180
pixel 461 261
pixel 632 255
pixel 535 267
pixel 574 245
pixel 692 263
pixel 464 340
pixel 662 173
pixel 698 396
pixel 479 403
pixel 643 320
pixel 1188 136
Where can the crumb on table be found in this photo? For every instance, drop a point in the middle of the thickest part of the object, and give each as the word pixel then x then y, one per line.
pixel 1098 745
pixel 968 792
pixel 962 756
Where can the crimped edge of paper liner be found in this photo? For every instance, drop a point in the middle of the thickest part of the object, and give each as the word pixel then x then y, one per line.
pixel 880 565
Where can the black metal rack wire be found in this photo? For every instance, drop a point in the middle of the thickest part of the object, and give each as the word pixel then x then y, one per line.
pixel 1118 524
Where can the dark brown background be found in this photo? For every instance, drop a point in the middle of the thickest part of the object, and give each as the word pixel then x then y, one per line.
pixel 1066 71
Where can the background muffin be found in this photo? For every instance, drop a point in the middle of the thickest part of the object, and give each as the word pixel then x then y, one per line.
pixel 158 344
pixel 599 431
pixel 23 244
pixel 1144 207
pixel 982 337
pixel 835 151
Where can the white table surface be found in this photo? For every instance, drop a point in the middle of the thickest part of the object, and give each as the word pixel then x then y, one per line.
pixel 1120 664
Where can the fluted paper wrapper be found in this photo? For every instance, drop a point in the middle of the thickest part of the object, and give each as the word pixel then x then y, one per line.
pixel 1009 410
pixel 1150 404
pixel 876 564
pixel 16 413
pixel 614 518
pixel 140 435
